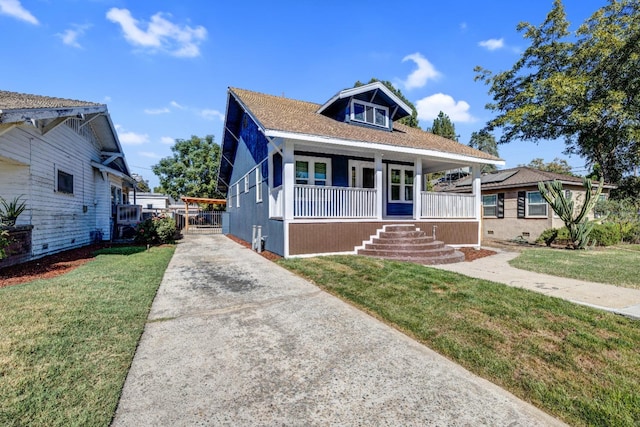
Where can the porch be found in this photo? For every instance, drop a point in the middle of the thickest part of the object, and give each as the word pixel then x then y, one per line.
pixel 321 202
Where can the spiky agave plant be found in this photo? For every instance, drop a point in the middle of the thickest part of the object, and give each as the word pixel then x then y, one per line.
pixel 10 211
pixel 577 224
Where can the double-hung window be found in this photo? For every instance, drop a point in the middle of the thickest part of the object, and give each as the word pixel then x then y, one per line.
pixel 536 205
pixel 313 171
pixel 490 205
pixel 401 184
pixel 371 114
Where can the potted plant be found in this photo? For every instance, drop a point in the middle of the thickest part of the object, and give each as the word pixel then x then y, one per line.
pixel 10 211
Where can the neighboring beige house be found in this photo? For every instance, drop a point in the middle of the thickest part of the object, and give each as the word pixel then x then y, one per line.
pixel 512 207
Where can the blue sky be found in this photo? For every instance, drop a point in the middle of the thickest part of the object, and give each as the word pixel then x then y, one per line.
pixel 163 67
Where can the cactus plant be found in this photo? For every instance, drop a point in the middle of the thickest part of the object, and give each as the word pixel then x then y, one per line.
pixel 577 224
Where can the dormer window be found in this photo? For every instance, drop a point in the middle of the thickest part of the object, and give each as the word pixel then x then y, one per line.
pixel 370 114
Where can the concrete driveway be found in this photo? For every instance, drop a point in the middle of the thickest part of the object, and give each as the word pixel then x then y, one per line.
pixel 233 339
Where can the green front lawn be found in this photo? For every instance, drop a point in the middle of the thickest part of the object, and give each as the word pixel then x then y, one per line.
pixel 577 363
pixel 66 343
pixel 619 265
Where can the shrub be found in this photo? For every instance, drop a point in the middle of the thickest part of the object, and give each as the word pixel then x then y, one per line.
pixel 548 236
pixel 607 234
pixel 631 233
pixel 156 230
pixel 4 242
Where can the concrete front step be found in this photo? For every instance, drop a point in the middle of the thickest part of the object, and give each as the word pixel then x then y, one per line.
pixel 402 234
pixel 408 240
pixel 407 252
pixel 384 245
pixel 405 242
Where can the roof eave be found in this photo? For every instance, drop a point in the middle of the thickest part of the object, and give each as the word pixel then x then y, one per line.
pixel 24 114
pixel 381 147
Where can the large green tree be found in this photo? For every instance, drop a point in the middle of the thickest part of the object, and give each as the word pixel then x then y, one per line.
pixel 582 87
pixel 412 120
pixel 192 170
pixel 484 141
pixel 557 165
pixel 443 126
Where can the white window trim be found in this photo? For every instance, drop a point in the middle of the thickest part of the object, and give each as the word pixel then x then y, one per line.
pixel 527 205
pixel 246 183
pixel 359 164
pixel 237 194
pixel 312 160
pixel 402 184
pixel 495 205
pixel 369 104
pixel 258 185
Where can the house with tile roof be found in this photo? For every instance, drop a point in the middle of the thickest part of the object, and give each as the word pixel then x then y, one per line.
pixel 512 207
pixel 333 177
pixel 63 158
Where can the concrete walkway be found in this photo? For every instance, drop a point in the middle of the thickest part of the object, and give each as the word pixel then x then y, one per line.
pixel 616 299
pixel 233 339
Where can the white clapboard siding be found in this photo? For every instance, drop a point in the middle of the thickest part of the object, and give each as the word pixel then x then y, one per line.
pixel 60 221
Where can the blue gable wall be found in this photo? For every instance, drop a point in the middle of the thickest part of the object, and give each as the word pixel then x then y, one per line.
pixel 252 148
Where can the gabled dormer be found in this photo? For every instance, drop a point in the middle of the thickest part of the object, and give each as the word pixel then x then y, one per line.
pixel 371 105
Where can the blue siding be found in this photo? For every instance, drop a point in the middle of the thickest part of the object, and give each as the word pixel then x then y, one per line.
pixel 399 209
pixel 252 149
pixel 340 171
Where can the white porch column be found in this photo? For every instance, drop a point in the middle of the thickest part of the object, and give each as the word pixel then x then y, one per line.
pixel 417 189
pixel 288 180
pixel 379 183
pixel 475 173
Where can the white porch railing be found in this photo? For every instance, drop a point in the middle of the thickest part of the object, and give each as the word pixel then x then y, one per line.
pixel 128 214
pixel 447 205
pixel 276 204
pixel 310 201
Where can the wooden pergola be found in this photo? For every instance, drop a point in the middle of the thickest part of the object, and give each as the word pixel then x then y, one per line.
pixel 188 200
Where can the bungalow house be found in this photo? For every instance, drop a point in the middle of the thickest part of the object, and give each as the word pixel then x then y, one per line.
pixel 332 178
pixel 512 207
pixel 63 158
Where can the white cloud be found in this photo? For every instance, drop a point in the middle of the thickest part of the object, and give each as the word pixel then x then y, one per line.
pixel 167 140
pixel 160 34
pixel 426 71
pixel 212 114
pixel 71 35
pixel 131 138
pixel 149 154
pixel 176 105
pixel 429 108
pixel 492 44
pixel 157 111
pixel 15 9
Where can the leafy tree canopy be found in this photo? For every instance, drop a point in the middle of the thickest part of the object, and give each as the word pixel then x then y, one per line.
pixel 557 165
pixel 192 170
pixel 412 120
pixel 443 126
pixel 141 184
pixel 485 142
pixel 582 87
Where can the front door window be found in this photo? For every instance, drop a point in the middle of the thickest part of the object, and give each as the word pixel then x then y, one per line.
pixel 401 184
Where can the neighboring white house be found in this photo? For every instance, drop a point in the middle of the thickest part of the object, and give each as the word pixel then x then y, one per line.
pixel 152 203
pixel 64 159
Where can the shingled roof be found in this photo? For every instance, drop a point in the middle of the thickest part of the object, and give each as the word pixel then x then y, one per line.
pixel 275 113
pixel 22 101
pixel 521 176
